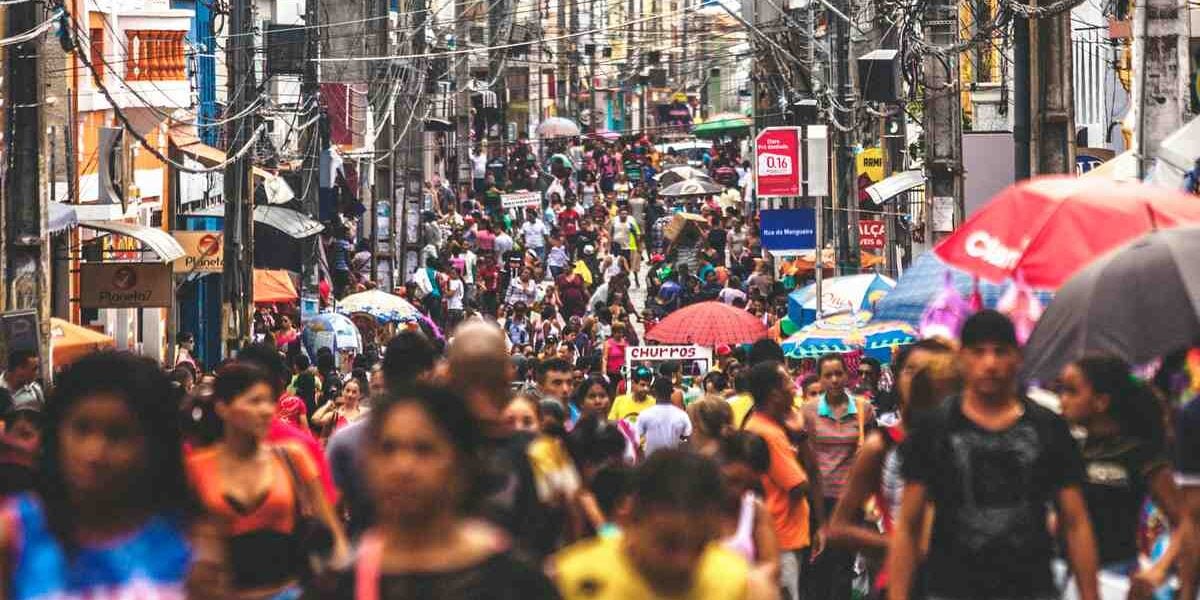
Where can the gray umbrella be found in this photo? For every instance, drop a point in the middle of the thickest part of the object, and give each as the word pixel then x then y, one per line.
pixel 1137 302
pixel 676 174
pixel 691 187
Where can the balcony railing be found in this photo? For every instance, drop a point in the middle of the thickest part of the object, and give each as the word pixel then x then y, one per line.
pixel 155 55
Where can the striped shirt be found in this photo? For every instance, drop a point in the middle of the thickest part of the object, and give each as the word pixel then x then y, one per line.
pixel 836 438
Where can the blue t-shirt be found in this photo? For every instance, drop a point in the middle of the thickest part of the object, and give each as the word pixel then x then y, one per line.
pixel 152 562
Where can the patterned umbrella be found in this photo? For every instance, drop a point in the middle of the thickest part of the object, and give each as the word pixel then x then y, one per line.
pixel 683 173
pixel 385 307
pixel 691 187
pixel 708 324
pixel 838 295
pixel 844 333
pixel 557 127
pixel 333 331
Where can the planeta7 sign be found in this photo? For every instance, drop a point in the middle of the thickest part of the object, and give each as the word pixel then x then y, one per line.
pixel 777 162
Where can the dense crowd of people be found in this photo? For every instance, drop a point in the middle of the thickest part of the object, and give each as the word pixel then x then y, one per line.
pixel 506 448
pixel 436 472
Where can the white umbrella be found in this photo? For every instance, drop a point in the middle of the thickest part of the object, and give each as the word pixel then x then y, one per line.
pixel 557 127
pixel 691 187
pixel 682 173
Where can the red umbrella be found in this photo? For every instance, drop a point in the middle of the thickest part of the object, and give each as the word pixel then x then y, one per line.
pixel 708 324
pixel 1048 228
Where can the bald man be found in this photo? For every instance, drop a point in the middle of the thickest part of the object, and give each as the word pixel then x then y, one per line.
pixel 478 367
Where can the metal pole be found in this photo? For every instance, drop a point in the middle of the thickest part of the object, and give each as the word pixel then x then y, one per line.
pixel 1021 137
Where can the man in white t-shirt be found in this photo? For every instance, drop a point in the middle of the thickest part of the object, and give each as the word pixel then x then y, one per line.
pixel 479 170
pixel 622 232
pixel 663 425
pixel 534 233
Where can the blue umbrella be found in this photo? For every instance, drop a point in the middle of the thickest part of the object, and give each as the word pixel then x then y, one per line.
pixel 922 281
pixel 333 331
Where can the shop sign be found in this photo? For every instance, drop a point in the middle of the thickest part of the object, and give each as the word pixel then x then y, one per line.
pixel 125 285
pixel 521 199
pixel 777 162
pixel 872 234
pixel 788 229
pixel 205 252
pixel 870 163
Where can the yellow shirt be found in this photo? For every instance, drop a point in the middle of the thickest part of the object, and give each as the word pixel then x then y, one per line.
pixel 626 407
pixel 598 569
pixel 741 405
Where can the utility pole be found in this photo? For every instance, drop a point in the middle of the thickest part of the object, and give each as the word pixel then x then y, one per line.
pixel 312 144
pixel 1160 41
pixel 1022 169
pixel 1051 94
pixel 462 82
pixel 237 279
pixel 383 89
pixel 846 206
pixel 943 117
pixel 26 272
pixel 573 88
pixel 415 150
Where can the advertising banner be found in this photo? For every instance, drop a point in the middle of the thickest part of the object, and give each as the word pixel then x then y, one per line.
pixel 125 285
pixel 205 252
pixel 777 162
pixel 790 229
pixel 872 234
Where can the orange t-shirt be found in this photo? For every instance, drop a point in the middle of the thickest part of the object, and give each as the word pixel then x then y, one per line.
pixel 784 474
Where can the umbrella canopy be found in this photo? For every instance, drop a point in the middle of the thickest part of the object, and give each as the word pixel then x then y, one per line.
pixel 922 281
pixel 1048 228
pixel 1138 302
pixel 691 187
pixel 723 124
pixel 385 307
pixel 848 332
pixel 839 294
pixel 70 342
pixel 563 159
pixel 557 127
pixel 606 135
pixel 333 331
pixel 273 286
pixel 682 173
pixel 708 324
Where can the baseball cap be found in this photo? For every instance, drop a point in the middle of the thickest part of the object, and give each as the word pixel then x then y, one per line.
pixel 643 374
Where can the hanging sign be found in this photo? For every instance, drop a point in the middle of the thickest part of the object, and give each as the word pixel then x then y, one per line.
pixel 521 199
pixel 777 162
pixel 124 285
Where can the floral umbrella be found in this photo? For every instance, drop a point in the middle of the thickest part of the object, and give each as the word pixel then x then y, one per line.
pixel 333 331
pixel 385 307
pixel 844 333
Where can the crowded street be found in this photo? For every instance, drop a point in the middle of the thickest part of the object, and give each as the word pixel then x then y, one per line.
pixel 596 300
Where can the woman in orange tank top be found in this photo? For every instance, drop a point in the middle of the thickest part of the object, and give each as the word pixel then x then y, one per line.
pixel 257 490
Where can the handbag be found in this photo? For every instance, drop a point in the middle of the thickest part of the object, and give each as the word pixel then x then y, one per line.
pixel 312 537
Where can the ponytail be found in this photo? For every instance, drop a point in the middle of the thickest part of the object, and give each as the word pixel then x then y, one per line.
pixel 1132 404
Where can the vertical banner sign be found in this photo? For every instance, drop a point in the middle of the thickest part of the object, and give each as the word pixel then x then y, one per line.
pixel 777 162
pixel 872 234
pixel 787 230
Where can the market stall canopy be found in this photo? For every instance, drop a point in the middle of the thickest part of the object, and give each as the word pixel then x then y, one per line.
pixel 895 185
pixel 848 332
pixel 708 324
pixel 799 263
pixel 849 293
pixel 1177 154
pixel 1139 302
pixel 691 187
pixel 1048 228
pixel 724 124
pixel 70 342
pixel 273 286
pixel 557 127
pixel 62 217
pixel 291 222
pixel 157 240
pixel 1122 167
pixel 924 279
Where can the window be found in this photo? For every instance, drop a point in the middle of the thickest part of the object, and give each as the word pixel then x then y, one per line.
pixel 96 53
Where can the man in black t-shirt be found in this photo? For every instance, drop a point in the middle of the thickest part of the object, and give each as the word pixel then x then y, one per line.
pixel 991 462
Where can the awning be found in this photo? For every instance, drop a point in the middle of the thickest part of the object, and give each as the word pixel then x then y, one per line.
pixel 61 217
pixel 1122 167
pixel 291 222
pixel 153 238
pixel 1177 155
pixel 895 185
pixel 273 286
pixel 436 124
pixel 70 342
pixel 184 138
